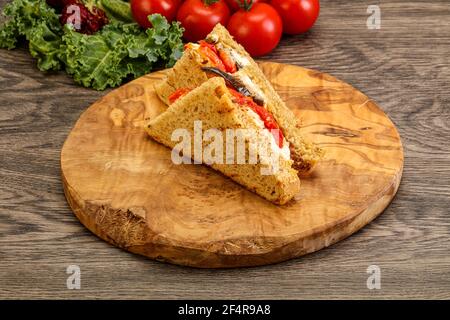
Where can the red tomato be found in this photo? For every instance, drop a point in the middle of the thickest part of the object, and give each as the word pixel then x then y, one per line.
pixel 258 29
pixel 298 15
pixel 199 17
pixel 141 9
pixel 235 5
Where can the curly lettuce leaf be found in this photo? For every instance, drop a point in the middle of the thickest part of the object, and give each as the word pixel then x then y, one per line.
pixel 38 23
pixel 8 36
pixel 120 51
pixel 45 46
pixel 166 39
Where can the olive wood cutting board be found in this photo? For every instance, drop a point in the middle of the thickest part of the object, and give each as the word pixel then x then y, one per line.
pixel 124 187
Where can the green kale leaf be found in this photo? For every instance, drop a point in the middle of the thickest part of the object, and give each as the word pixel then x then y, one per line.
pixel 117 52
pixel 38 23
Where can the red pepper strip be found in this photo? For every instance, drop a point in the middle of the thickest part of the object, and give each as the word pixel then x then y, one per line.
pixel 230 66
pixel 238 98
pixel 209 45
pixel 211 55
pixel 268 119
pixel 178 94
pixel 219 58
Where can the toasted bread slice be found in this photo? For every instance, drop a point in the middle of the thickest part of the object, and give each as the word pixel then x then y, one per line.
pixel 211 103
pixel 188 73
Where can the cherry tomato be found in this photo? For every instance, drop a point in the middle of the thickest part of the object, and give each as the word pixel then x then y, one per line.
pixel 199 17
pixel 298 15
pixel 141 9
pixel 235 5
pixel 257 29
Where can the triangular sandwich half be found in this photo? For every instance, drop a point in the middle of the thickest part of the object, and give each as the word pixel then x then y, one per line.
pixel 225 113
pixel 220 55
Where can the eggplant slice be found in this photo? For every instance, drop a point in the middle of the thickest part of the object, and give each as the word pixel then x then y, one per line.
pixel 234 82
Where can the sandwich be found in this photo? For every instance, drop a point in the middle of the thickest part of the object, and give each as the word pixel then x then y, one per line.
pixel 238 138
pixel 218 55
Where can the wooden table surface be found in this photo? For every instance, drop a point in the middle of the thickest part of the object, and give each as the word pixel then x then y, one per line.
pixel 404 67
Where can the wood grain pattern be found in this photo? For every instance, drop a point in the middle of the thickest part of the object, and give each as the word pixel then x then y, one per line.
pixel 124 187
pixel 402 67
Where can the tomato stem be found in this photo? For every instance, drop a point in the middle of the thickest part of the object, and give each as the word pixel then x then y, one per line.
pixel 209 2
pixel 245 4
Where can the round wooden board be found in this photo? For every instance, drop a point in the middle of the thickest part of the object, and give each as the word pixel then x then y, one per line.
pixel 124 188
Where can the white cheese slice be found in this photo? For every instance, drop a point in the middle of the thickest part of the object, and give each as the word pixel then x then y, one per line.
pixel 251 86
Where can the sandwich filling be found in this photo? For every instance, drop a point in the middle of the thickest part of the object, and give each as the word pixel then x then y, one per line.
pixel 178 94
pixel 225 62
pixel 264 118
pixel 218 55
pixel 219 58
pixel 241 60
